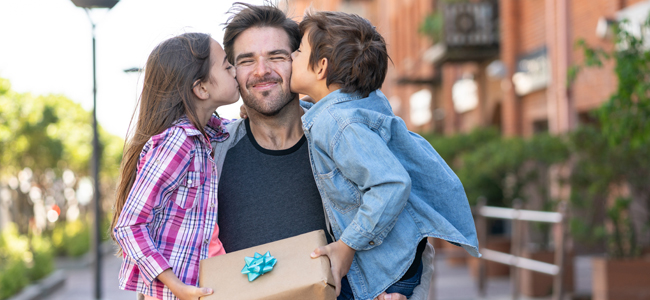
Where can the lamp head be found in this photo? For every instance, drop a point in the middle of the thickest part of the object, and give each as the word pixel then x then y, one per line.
pixel 95 3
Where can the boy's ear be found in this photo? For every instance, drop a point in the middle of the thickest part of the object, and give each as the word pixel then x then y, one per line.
pixel 200 91
pixel 321 69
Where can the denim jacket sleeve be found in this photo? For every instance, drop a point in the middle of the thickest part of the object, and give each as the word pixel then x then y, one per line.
pixel 363 157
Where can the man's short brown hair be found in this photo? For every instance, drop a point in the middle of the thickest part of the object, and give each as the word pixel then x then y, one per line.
pixel 355 51
pixel 244 16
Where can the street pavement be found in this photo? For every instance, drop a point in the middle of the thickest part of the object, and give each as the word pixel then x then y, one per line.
pixel 79 284
pixel 451 282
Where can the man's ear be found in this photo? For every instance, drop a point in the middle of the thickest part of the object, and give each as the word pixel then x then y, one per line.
pixel 200 91
pixel 321 69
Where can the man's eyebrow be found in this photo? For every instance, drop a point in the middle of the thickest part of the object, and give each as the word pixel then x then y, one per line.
pixel 243 55
pixel 280 51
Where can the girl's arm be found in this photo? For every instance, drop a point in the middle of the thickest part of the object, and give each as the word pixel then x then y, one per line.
pixel 158 176
pixel 180 289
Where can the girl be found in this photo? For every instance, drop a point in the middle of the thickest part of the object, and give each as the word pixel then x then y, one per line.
pixel 166 206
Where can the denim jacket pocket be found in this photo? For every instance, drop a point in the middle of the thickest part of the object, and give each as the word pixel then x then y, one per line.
pixel 188 194
pixel 339 191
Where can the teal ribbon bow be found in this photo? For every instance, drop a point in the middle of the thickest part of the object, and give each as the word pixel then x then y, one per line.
pixel 258 265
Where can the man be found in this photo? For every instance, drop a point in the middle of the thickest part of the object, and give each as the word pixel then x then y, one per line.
pixel 267 189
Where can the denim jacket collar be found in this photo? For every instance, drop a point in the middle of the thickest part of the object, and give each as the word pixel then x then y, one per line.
pixel 332 98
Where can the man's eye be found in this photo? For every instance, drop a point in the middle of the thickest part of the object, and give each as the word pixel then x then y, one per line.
pixel 245 62
pixel 278 58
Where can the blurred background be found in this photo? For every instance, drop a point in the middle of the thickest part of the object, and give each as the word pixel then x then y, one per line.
pixel 541 105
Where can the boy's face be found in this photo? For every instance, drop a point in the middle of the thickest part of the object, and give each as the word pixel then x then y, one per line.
pixel 303 77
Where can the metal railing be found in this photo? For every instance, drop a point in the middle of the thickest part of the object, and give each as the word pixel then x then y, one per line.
pixel 514 259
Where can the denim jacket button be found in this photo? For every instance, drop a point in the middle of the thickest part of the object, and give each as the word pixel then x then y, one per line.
pixel 371 243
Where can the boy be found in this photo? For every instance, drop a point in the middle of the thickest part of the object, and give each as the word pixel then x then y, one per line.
pixel 384 189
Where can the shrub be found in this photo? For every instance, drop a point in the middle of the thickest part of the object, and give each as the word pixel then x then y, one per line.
pixel 71 238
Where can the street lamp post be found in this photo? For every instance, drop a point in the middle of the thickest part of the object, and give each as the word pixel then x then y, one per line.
pixel 87 5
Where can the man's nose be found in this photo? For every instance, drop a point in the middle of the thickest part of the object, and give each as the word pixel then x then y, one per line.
pixel 262 68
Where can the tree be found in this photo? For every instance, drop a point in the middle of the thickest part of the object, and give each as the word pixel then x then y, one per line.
pixel 616 153
pixel 40 138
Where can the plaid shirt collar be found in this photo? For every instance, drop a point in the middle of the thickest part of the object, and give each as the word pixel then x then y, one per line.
pixel 214 130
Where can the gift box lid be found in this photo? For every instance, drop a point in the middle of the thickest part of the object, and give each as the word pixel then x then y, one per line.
pixel 295 275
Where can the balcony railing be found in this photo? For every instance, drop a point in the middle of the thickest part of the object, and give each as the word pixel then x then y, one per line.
pixel 470 32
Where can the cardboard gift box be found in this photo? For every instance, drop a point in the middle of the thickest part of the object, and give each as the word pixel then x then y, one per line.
pixel 294 276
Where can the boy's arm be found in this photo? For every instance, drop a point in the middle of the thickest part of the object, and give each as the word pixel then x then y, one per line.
pixel 363 157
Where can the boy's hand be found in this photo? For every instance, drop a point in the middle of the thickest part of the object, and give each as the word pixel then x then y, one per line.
pixel 242 112
pixel 340 256
pixel 393 296
pixel 180 289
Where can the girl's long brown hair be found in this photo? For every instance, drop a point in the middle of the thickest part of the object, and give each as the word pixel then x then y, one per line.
pixel 171 72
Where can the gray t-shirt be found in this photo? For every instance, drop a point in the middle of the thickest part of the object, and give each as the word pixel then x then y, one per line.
pixel 266 195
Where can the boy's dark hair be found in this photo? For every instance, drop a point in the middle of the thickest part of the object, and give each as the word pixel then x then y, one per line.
pixel 245 16
pixel 356 52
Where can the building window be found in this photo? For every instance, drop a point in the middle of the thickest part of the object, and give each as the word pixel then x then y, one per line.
pixel 540 126
pixel 464 94
pixel 420 103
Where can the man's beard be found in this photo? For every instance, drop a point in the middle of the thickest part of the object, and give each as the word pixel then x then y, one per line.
pixel 271 106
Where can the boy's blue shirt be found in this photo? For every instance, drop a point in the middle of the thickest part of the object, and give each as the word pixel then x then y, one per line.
pixel 383 187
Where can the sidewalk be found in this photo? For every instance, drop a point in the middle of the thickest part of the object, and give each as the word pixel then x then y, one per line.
pixel 79 284
pixel 456 283
pixel 452 282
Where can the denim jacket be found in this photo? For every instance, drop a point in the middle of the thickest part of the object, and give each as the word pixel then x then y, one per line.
pixel 383 187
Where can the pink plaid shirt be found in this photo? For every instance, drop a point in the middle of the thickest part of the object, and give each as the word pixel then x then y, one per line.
pixel 171 212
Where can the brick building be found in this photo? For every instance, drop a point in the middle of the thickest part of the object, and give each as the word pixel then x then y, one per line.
pixel 495 62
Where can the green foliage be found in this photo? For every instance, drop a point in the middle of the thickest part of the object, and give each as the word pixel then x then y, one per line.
pixel 22 260
pixel 432 26
pixel 71 238
pixel 617 152
pixel 43 257
pixel 452 147
pixel 499 168
pixel 47 135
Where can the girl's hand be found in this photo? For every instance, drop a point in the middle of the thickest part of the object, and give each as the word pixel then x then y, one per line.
pixel 180 289
pixel 340 256
pixel 393 296
pixel 188 292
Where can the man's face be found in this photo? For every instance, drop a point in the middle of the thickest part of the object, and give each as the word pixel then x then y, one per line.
pixel 263 63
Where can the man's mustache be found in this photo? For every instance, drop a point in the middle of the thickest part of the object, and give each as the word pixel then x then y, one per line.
pixel 267 78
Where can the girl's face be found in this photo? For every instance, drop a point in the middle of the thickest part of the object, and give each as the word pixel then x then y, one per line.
pixel 222 86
